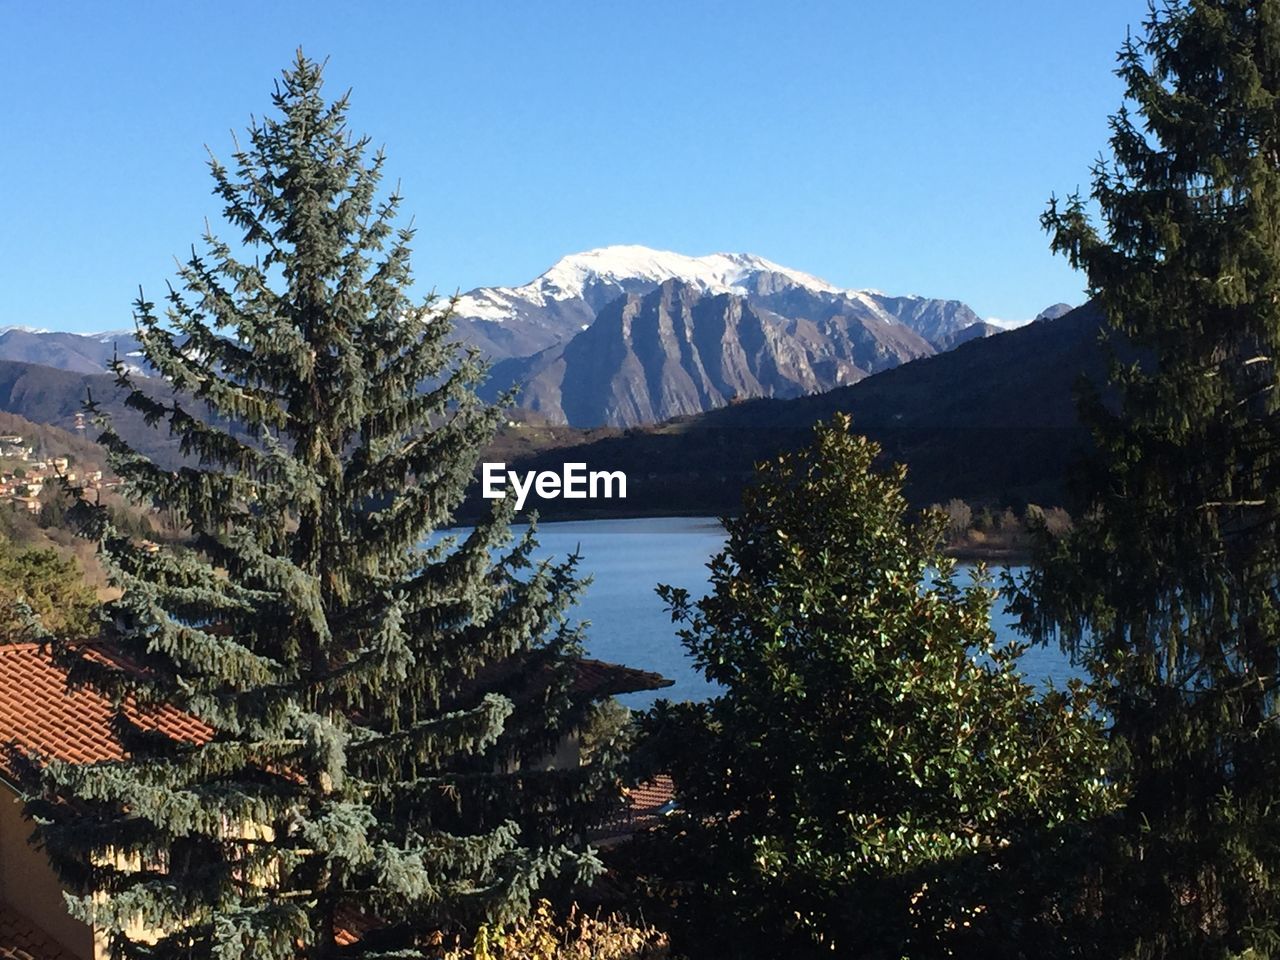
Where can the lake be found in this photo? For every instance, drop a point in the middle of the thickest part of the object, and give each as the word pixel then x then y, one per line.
pixel 628 623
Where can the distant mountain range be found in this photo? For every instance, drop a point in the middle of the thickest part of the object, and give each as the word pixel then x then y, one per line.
pixel 551 309
pixel 993 421
pixel 626 335
pixel 677 350
pixel 77 353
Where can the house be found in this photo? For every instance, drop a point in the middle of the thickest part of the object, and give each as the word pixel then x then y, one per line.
pixel 647 804
pixel 38 715
pixel 12 447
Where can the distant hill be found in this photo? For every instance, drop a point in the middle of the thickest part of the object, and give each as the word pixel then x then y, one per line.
pixel 46 395
pixel 993 420
pixel 49 441
pixel 74 352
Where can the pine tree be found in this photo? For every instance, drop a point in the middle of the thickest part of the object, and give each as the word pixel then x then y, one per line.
pixel 875 778
pixel 42 581
pixel 1168 589
pixel 377 698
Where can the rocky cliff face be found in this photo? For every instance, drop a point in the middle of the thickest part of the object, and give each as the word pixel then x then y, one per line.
pixel 506 322
pixel 679 350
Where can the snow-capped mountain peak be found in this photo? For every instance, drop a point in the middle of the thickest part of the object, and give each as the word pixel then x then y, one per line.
pixel 606 272
pixel 714 273
pixel 106 336
pixel 564 300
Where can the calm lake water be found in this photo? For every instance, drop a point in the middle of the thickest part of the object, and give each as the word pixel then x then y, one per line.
pixel 628 623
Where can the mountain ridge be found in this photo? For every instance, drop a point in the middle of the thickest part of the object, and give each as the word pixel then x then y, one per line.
pixel 678 350
pixel 506 322
pixel 992 421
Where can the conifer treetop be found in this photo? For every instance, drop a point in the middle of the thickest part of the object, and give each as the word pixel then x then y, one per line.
pixel 382 696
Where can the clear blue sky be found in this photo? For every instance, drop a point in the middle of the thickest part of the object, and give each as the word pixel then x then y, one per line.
pixel 906 145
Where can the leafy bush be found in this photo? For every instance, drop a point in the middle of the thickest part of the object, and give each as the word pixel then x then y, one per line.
pixel 876 778
pixel 48 583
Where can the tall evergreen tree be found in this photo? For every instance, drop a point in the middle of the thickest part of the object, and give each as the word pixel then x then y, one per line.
pixel 875 777
pixel 377 703
pixel 1170 586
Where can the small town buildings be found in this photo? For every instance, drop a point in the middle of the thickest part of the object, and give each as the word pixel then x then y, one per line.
pixel 23 485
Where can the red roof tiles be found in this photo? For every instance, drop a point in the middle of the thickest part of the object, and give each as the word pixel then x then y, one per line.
pixel 20 939
pixel 648 802
pixel 38 715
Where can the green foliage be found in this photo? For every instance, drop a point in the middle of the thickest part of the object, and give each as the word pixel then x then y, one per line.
pixel 876 778
pixel 609 725
pixel 378 698
pixel 47 584
pixel 1169 587
pixel 55 501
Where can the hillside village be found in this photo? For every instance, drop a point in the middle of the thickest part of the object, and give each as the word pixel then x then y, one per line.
pixel 23 476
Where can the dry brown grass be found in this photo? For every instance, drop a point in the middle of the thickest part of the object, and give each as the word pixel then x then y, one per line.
pixel 578 937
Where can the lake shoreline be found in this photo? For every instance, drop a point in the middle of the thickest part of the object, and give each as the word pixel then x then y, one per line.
pixel 993 553
pixel 991 556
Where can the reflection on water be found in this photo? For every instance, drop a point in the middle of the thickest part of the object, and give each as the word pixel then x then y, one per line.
pixel 628 624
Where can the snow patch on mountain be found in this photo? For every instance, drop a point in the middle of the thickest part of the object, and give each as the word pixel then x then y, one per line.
pixel 1048 313
pixel 574 276
pixel 106 336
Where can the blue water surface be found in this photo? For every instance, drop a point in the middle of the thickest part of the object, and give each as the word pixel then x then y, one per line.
pixel 628 622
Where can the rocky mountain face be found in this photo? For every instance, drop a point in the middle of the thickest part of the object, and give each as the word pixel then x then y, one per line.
pixel 628 335
pixel 679 349
pixel 509 322
pixel 506 322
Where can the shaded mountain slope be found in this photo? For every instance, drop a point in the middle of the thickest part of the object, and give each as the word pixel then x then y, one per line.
pixel 78 353
pixel 993 420
pixel 47 395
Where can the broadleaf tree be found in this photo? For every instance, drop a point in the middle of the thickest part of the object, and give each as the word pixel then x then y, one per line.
pixel 378 699
pixel 875 775
pixel 1169 587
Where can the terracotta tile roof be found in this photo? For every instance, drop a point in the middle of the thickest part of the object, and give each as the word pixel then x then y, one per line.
pixel 38 715
pixel 596 679
pixel 647 804
pixel 652 800
pixel 20 939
